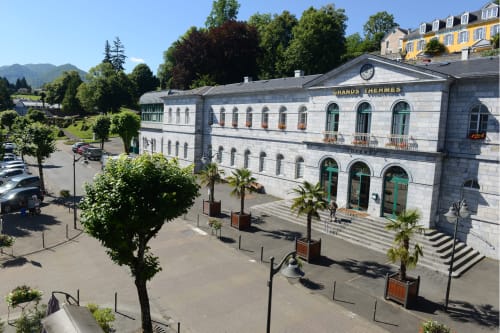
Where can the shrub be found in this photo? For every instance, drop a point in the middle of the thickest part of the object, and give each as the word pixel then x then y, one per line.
pixel 31 320
pixel 23 294
pixel 60 133
pixel 432 326
pixel 64 193
pixel 103 316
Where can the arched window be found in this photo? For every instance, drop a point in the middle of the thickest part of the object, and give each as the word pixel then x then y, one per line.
pixel 234 120
pixel 169 115
pixel 359 187
pixel 478 122
pixel 222 117
pixel 400 119
pixel 211 117
pixel 246 161
pixel 169 147
pixel 248 121
pixel 219 154
pixel 186 116
pixel 299 167
pixel 279 164
pixel 178 116
pixel 332 123
pixel 471 184
pixel 262 161
pixel 233 156
pixel 265 118
pixel 364 118
pixel 185 150
pixel 302 119
pixel 177 148
pixel 282 118
pixel 395 192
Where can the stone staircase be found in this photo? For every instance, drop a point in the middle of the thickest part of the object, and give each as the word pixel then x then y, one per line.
pixel 370 232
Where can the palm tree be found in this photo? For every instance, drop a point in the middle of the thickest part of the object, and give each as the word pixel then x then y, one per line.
pixel 209 176
pixel 310 201
pixel 241 181
pixel 405 227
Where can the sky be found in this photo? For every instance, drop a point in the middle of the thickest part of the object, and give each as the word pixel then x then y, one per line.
pixel 75 31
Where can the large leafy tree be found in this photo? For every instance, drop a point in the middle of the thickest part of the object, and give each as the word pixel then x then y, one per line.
pixel 35 115
pixel 7 118
pixel 41 144
pixel 318 41
pixel 127 205
pixel 143 80
pixel 21 136
pixel 101 128
pixel 309 201
pixel 375 29
pixel 5 99
pixel 275 37
pixel 126 124
pixel 222 11
pixel 63 90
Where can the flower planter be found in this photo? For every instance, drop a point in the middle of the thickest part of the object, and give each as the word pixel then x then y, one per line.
pixel 211 208
pixel 240 221
pixel 402 292
pixel 308 251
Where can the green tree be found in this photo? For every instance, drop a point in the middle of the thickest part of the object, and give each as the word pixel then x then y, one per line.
pixel 118 55
pixel 41 145
pixel 318 41
pixel 101 128
pixel 126 124
pixel 494 41
pixel 35 115
pixel 405 226
pixel 355 47
pixel 376 27
pixel 63 90
pixel 222 11
pixel 7 118
pixel 165 69
pixel 209 176
pixel 309 201
pixel 21 136
pixel 143 80
pixel 127 205
pixel 107 53
pixel 241 182
pixel 5 99
pixel 434 47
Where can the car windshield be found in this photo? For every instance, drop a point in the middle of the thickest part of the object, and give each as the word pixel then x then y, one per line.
pixel 8 186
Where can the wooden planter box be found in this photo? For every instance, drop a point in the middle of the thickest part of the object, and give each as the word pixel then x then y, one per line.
pixel 402 292
pixel 240 222
pixel 211 208
pixel 308 251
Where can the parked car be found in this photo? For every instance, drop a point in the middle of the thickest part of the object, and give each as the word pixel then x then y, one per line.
pixel 77 145
pixel 20 181
pixel 14 164
pixel 16 161
pixel 8 174
pixel 18 198
pixel 82 149
pixel 9 147
pixel 23 167
pixel 92 153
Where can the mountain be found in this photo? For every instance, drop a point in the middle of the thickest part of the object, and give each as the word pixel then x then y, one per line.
pixel 37 74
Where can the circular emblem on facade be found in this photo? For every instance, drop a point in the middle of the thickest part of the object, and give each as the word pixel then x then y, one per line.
pixel 367 71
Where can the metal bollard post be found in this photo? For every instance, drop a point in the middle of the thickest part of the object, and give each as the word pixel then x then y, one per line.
pixel 334 286
pixel 198 220
pixel 67 231
pixel 261 253
pixel 178 327
pixel 43 239
pixel 239 242
pixel 374 310
pixel 116 300
pixel 78 297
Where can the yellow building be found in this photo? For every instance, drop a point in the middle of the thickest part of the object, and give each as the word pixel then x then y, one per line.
pixel 469 30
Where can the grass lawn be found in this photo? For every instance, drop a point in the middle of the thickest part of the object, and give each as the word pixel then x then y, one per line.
pixel 85 134
pixel 24 96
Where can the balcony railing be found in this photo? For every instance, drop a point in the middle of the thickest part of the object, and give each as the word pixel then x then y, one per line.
pixel 363 140
pixel 401 142
pixel 331 137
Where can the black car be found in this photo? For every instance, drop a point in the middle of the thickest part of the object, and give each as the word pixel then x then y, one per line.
pixel 18 198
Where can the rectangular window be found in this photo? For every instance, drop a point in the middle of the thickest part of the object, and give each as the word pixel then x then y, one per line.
pixel 489 13
pixel 494 30
pixel 421 45
pixel 449 22
pixel 479 33
pixel 435 25
pixel 463 37
pixel 464 19
pixel 448 39
pixel 409 47
pixel 423 28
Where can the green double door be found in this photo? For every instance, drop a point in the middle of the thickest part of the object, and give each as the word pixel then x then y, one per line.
pixel 359 189
pixel 330 178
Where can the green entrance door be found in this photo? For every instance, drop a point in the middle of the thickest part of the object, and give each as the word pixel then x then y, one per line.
pixel 329 178
pixel 395 192
pixel 359 189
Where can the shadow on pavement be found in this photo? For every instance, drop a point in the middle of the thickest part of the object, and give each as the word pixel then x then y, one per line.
pixel 323 261
pixel 311 285
pixel 17 225
pixel 282 234
pixel 19 261
pixel 465 312
pixel 369 269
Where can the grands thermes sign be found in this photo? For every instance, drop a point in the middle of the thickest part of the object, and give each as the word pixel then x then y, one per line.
pixel 370 90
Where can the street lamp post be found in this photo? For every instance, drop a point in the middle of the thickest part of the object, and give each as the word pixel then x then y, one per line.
pixel 457 209
pixel 204 159
pixel 74 187
pixel 291 271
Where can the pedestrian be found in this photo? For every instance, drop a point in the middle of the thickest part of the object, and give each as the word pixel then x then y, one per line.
pixel 333 210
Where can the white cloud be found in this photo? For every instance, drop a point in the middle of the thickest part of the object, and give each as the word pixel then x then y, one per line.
pixel 137 60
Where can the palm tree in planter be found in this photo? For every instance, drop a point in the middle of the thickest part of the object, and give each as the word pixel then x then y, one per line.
pixel 241 181
pixel 400 287
pixel 209 176
pixel 310 201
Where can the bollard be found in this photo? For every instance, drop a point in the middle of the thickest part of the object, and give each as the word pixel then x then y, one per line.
pixel 43 239
pixel 374 310
pixel 116 300
pixel 239 242
pixel 78 297
pixel 67 231
pixel 334 286
pixel 261 253
pixel 198 220
pixel 178 327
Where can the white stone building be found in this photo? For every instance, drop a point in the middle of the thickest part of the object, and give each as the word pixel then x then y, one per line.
pixel 380 135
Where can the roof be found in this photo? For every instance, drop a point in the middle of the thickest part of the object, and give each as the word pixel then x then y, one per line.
pixel 262 85
pixel 192 92
pixel 153 97
pixel 485 66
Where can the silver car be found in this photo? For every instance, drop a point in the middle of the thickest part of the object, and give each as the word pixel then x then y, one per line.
pixel 20 181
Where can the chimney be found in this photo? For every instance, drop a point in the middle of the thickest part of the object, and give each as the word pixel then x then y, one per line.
pixel 247 79
pixel 465 53
pixel 299 73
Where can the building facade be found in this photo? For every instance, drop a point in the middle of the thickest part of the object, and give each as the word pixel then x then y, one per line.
pixel 381 136
pixel 470 30
pixel 391 45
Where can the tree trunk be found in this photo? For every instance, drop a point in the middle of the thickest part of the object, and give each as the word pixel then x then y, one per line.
pixel 142 292
pixel 308 234
pixel 211 196
pixel 40 172
pixel 242 201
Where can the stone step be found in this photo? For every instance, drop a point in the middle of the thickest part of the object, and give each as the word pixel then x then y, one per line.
pixel 370 232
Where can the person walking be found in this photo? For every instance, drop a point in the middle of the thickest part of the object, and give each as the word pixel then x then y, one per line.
pixel 333 210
